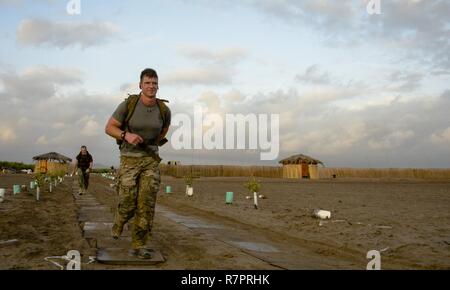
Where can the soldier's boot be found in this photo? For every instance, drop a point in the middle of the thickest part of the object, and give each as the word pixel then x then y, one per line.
pixel 141 253
pixel 116 231
pixel 144 253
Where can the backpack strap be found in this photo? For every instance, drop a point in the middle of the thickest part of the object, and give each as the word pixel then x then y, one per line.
pixel 132 101
pixel 163 110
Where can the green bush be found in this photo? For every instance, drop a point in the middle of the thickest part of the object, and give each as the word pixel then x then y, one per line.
pixel 16 165
pixel 189 180
pixel 253 185
pixel 40 179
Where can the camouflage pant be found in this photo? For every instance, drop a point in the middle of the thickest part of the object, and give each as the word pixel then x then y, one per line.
pixel 138 183
pixel 83 179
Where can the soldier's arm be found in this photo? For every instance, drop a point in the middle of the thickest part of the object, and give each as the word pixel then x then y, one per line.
pixel 75 164
pixel 164 131
pixel 91 165
pixel 113 129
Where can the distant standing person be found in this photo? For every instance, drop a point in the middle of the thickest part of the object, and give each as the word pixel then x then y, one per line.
pixel 139 124
pixel 83 166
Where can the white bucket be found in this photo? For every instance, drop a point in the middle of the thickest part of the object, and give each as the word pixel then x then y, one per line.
pixel 190 191
pixel 2 194
pixel 322 214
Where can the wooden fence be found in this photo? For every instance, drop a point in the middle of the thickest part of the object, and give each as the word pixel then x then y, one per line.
pixel 323 172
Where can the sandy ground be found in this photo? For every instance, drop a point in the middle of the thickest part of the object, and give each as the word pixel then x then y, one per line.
pixel 43 229
pixel 409 220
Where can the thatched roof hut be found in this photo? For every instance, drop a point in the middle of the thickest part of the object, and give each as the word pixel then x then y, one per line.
pixel 300 166
pixel 53 156
pixel 51 163
pixel 299 159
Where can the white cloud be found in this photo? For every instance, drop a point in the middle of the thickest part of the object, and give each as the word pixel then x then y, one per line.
pixel 204 76
pixel 416 31
pixel 223 56
pixel 7 134
pixel 211 100
pixel 212 67
pixel 130 88
pixel 36 83
pixel 42 140
pixel 234 96
pixel 36 32
pixel 394 139
pixel 90 128
pixel 59 125
pixel 404 81
pixel 441 137
pixel 313 75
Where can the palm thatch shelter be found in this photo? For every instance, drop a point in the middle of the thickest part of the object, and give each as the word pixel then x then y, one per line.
pixel 301 166
pixel 51 162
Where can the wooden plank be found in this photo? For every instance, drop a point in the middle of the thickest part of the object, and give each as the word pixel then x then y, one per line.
pixel 120 256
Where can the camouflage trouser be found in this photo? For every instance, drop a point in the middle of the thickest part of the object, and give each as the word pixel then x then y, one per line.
pixel 83 179
pixel 138 181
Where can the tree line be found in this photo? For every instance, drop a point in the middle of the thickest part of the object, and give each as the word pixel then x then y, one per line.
pixel 15 165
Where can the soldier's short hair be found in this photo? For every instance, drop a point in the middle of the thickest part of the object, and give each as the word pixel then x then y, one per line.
pixel 149 72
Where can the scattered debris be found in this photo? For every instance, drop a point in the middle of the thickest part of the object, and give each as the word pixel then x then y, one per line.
pixel 322 214
pixel 262 196
pixel 384 227
pixel 92 259
pixel 8 242
pixel 55 263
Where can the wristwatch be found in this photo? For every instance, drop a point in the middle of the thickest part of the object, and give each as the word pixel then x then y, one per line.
pixel 122 135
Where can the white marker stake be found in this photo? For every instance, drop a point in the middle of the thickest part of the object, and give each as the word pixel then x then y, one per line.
pixel 37 193
pixel 50 189
pixel 255 200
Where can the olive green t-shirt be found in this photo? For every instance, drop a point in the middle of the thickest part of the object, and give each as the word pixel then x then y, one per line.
pixel 145 122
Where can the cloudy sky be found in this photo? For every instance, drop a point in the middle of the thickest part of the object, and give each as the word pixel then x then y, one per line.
pixel 351 89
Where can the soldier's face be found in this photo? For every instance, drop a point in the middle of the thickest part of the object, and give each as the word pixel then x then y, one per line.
pixel 149 86
pixel 83 151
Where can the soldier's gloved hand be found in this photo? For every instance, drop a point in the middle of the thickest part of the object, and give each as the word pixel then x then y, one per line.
pixel 88 170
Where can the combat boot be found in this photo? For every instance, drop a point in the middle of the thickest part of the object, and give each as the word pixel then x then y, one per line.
pixel 141 253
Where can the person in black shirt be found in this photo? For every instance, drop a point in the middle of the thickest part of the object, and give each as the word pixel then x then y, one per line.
pixel 83 166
